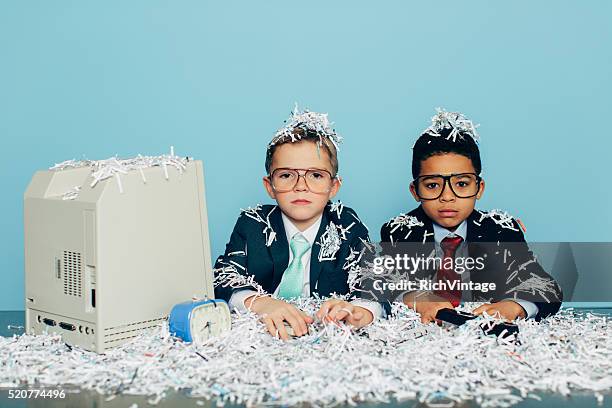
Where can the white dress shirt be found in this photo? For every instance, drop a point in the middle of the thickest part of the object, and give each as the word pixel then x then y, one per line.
pixel 310 234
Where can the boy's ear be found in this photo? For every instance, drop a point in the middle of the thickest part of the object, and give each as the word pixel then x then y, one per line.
pixel 481 191
pixel 268 187
pixel 335 187
pixel 413 192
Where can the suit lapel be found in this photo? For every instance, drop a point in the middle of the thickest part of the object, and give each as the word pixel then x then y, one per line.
pixel 279 250
pixel 315 265
pixel 475 238
pixel 474 231
pixel 427 226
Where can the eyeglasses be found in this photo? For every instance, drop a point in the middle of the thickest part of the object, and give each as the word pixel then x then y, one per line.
pixel 317 180
pixel 431 187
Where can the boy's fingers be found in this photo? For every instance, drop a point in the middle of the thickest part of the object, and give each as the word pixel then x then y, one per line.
pixel 480 309
pixel 357 322
pixel 342 315
pixel 436 321
pixel 425 317
pixel 294 322
pixel 340 311
pixel 522 225
pixel 319 313
pixel 359 317
pixel 331 314
pixel 324 310
pixel 435 314
pixel 280 327
pixel 303 322
pixel 430 315
pixel 307 319
pixel 491 310
pixel 270 326
pixel 295 315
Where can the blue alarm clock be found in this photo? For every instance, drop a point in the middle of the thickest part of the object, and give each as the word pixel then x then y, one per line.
pixel 198 320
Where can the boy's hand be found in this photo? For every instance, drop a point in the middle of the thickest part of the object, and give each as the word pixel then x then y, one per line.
pixel 274 312
pixel 508 309
pixel 335 310
pixel 427 305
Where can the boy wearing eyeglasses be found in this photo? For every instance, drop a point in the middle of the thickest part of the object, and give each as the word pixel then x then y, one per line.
pixel 446 168
pixel 302 246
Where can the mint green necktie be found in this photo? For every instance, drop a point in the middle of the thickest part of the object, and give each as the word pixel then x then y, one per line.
pixel 293 278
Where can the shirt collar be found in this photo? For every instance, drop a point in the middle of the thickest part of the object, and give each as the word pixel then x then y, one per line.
pixel 440 232
pixel 309 233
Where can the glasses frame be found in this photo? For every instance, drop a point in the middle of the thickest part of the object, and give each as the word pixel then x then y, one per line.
pixel 303 175
pixel 446 179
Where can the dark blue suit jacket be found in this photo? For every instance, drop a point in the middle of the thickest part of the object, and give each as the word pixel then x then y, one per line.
pixel 258 252
pixel 498 238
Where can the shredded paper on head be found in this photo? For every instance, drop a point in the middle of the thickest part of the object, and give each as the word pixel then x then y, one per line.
pixel 460 125
pixel 308 122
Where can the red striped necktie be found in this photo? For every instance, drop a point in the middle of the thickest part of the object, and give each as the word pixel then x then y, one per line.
pixel 447 274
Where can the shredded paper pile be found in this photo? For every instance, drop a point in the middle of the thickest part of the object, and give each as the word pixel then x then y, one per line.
pixel 385 362
pixel 115 167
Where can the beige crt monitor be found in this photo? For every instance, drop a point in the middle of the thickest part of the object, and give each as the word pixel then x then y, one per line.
pixel 104 266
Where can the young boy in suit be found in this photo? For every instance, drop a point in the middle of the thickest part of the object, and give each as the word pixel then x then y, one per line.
pixel 302 246
pixel 446 168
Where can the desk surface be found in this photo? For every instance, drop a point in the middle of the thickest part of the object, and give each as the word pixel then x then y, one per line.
pixel 92 399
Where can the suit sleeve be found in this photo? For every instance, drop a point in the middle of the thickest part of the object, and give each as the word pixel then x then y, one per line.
pixel 525 278
pixel 360 277
pixel 403 247
pixel 230 271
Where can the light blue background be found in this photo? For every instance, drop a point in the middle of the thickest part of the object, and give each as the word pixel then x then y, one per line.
pixel 216 79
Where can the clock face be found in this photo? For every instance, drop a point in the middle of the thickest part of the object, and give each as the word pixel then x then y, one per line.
pixel 209 320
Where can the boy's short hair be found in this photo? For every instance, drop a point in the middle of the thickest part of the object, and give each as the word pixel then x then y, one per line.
pixel 307 126
pixel 450 132
pixel 306 136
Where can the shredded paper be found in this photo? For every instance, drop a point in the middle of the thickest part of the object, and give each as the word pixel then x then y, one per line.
pixel 460 125
pixel 407 221
pixel 392 359
pixel 308 121
pixel 115 167
pixel 500 217
pixel 256 214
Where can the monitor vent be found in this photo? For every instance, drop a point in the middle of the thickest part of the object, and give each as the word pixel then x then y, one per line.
pixel 120 334
pixel 72 274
